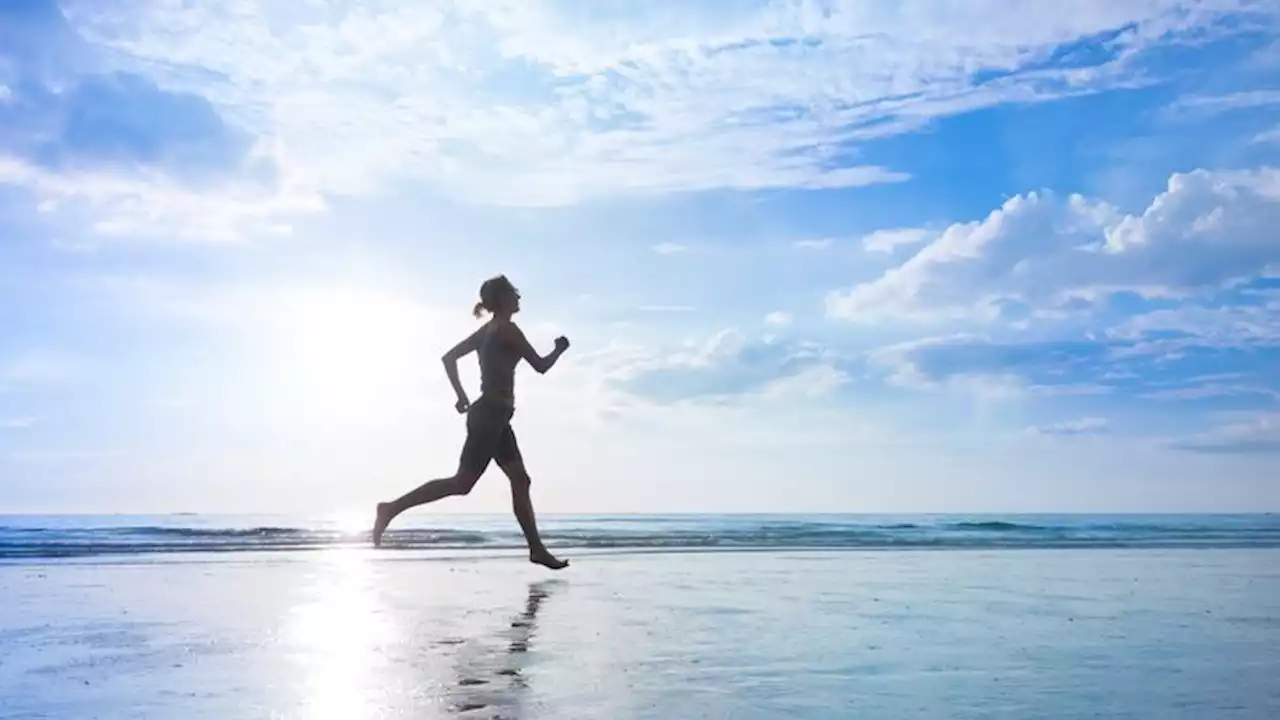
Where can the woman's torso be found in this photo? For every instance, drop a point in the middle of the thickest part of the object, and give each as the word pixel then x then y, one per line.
pixel 498 360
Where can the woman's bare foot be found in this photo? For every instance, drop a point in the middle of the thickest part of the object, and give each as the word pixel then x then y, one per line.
pixel 546 559
pixel 381 522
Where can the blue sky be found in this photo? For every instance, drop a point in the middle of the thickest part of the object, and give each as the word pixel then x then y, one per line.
pixel 854 256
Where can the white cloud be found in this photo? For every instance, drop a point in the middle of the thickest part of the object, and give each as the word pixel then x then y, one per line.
pixel 667 308
pixel 1245 433
pixel 1213 390
pixel 670 248
pixel 778 318
pixel 5 93
pixel 17 423
pixel 728 365
pixel 1082 426
pixel 812 244
pixel 903 368
pixel 549 102
pixel 1204 232
pixel 972 365
pixel 36 368
pixel 1254 325
pixel 887 241
pixel 1231 101
pixel 1268 136
pixel 812 382
pixel 140 204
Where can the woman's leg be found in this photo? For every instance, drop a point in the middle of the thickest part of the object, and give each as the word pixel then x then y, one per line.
pixel 512 464
pixel 477 452
pixel 428 492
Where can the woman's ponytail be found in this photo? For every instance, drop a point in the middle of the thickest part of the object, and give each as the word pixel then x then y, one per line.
pixel 478 310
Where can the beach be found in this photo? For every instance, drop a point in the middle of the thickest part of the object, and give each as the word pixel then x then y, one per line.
pixel 351 632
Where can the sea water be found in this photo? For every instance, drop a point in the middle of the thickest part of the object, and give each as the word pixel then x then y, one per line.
pixel 39 536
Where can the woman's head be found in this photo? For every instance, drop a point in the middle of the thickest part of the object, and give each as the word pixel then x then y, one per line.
pixel 498 296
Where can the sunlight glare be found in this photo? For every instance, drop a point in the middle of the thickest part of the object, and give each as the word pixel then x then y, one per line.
pixel 342 351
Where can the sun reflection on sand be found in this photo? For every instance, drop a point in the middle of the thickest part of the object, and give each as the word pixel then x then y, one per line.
pixel 341 634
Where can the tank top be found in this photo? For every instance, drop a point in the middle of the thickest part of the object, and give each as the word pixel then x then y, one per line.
pixel 498 360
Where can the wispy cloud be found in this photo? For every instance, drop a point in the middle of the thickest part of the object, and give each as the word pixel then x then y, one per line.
pixel 1254 433
pixel 1082 426
pixel 1228 102
pixel 667 308
pixel 550 102
pixel 887 241
pixel 813 243
pixel 1268 136
pixel 778 318
pixel 730 364
pixel 670 248
pixel 17 423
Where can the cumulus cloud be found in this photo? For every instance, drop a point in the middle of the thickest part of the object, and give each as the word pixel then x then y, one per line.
pixel 548 102
pixel 1206 231
pixel 778 318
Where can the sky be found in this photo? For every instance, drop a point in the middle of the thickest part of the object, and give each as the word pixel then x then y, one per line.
pixel 856 256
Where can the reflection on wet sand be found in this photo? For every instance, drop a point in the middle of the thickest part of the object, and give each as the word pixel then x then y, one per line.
pixel 490 679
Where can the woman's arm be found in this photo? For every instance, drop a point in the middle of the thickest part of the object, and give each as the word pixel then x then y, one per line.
pixel 542 363
pixel 450 360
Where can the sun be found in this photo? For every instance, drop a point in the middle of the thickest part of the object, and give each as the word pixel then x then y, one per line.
pixel 343 350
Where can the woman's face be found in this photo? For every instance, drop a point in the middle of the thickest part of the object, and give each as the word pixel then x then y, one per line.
pixel 511 300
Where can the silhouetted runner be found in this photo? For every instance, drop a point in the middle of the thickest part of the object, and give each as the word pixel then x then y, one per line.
pixel 501 345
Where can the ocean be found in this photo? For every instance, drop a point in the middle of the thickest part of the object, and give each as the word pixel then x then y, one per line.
pixel 748 616
pixel 48 537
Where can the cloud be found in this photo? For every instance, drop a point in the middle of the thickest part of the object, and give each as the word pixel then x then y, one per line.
pixel 1206 231
pixel 1255 324
pixel 778 318
pixel 670 248
pixel 121 156
pixel 973 365
pixel 549 102
pixel 1082 426
pixel 17 423
pixel 730 365
pixel 1210 104
pixel 667 308
pixel 1250 434
pixel 812 244
pixel 124 120
pixel 887 241
pixel 1268 136
pixel 142 204
pixel 1132 371
pixel 1213 390
pixel 36 368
